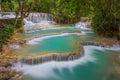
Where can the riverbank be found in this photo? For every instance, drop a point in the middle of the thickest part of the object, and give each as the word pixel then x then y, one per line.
pixel 108 42
pixel 7 58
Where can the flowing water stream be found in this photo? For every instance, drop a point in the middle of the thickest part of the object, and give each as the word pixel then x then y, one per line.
pixel 94 65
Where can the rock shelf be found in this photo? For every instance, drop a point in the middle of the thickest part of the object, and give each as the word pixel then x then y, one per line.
pixel 51 57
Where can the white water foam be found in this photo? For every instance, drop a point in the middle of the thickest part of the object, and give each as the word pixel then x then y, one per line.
pixel 47 69
pixel 82 26
pixel 14 46
pixel 7 16
pixel 50 28
pixel 35 40
pixel 37 21
pixel 83 32
pixel 86 32
pixel 115 47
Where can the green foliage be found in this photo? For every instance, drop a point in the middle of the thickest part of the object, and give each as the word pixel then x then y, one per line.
pixel 106 21
pixel 44 6
pixel 68 11
pixel 7 5
pixel 5 33
pixel 64 11
pixel 7 29
pixel 11 21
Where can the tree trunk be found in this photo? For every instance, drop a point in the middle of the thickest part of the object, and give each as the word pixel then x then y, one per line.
pixel 22 21
pixel 16 18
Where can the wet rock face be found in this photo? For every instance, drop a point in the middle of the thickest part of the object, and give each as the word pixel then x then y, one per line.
pixel 52 57
pixel 94 44
pixel 90 43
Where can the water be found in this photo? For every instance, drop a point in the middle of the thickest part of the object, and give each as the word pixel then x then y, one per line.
pixel 37 21
pixel 60 43
pixel 82 26
pixel 6 15
pixel 39 17
pixel 48 31
pixel 94 65
pixel 34 21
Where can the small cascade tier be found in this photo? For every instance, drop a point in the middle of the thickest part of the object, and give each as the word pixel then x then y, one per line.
pixel 82 26
pixel 88 43
pixel 91 44
pixel 51 57
pixel 7 15
pixel 36 21
pixel 40 18
pixel 84 23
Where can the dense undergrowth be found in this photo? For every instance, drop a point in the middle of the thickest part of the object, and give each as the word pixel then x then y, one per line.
pixel 7 29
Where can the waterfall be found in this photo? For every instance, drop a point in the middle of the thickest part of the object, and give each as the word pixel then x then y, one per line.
pixel 7 15
pixel 91 44
pixel 82 26
pixel 36 21
pixel 51 57
pixel 40 18
pixel 41 71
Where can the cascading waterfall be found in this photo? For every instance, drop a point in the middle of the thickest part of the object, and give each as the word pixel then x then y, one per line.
pixel 88 43
pixel 40 18
pixel 82 25
pixel 52 57
pixel 6 15
pixel 59 57
pixel 92 44
pixel 34 21
pixel 40 70
pixel 37 21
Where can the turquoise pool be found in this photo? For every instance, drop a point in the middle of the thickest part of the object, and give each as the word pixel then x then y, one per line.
pixel 94 65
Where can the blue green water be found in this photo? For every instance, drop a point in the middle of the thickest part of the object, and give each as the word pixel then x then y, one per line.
pixel 96 69
pixel 60 43
pixel 48 31
pixel 95 65
pixel 56 44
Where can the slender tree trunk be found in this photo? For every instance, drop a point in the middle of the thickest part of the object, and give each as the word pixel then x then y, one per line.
pixel 22 23
pixel 0 8
pixel 16 18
